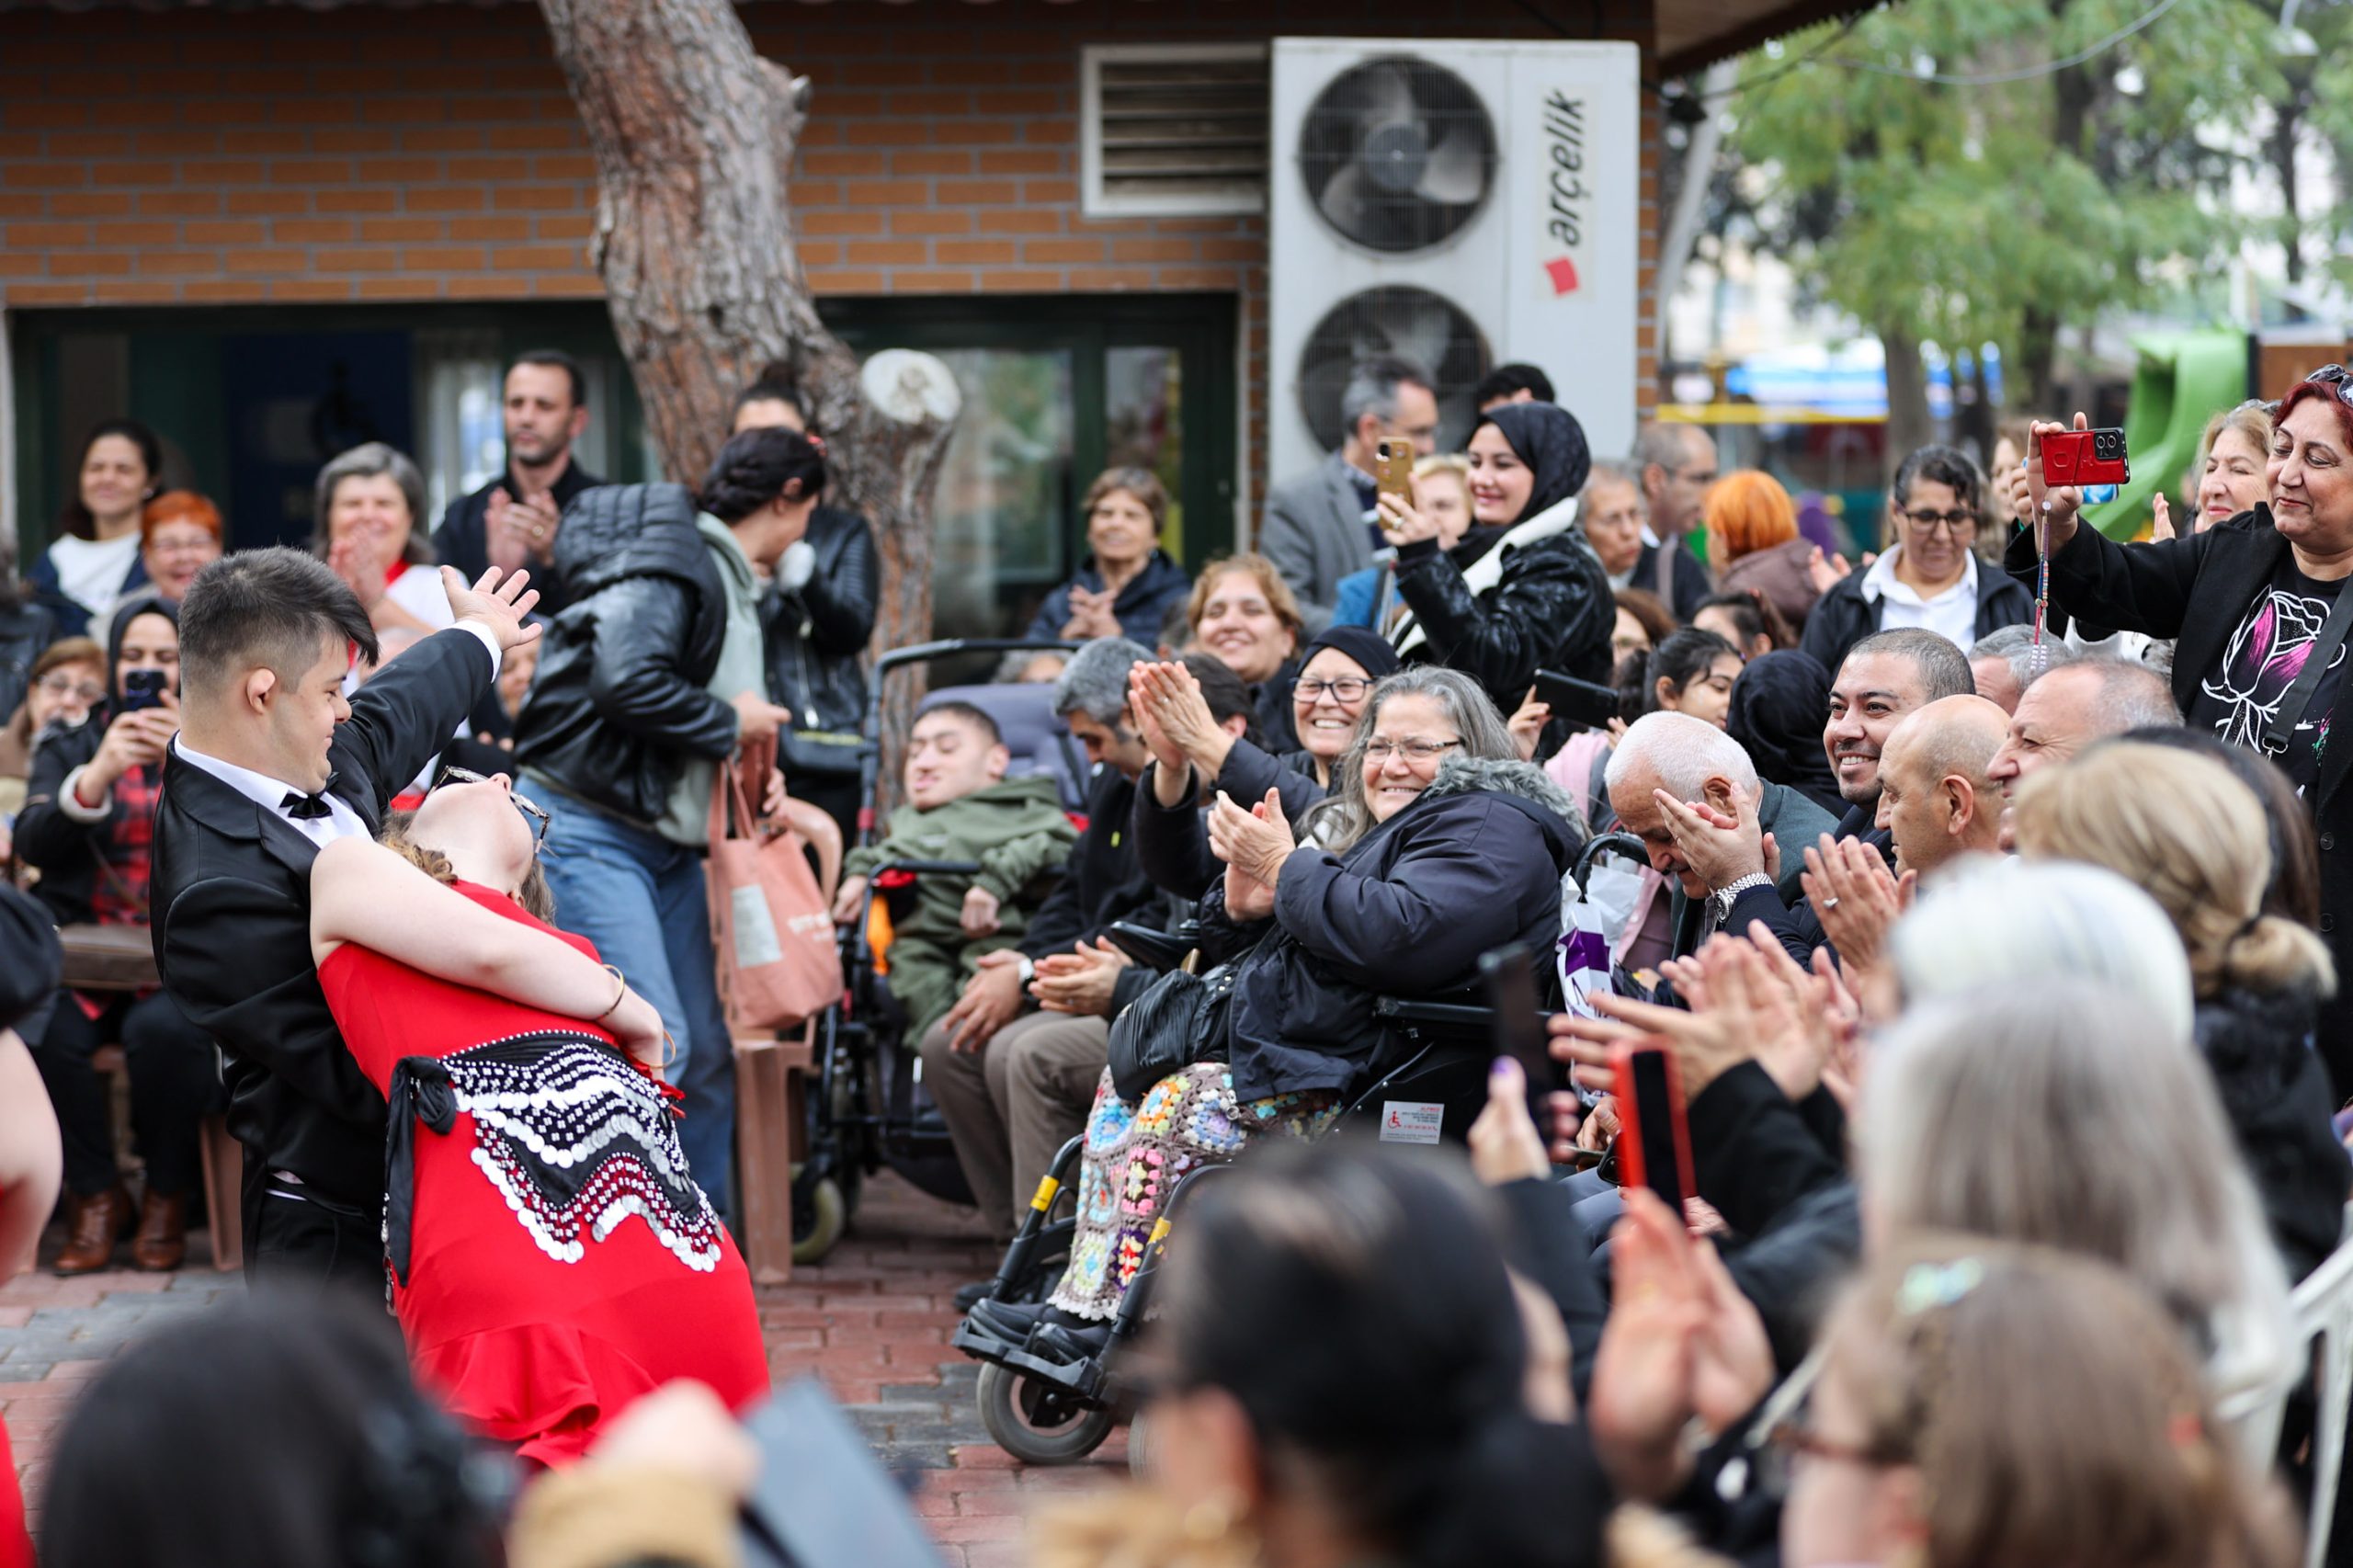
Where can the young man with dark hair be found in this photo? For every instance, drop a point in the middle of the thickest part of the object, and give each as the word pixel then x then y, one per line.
pixel 511 522
pixel 270 765
pixel 1512 383
pixel 960 806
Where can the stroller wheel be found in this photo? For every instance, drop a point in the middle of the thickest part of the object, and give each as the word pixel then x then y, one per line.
pixel 1140 1455
pixel 1037 1422
pixel 819 1218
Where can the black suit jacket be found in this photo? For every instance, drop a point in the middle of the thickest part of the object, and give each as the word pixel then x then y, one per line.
pixel 2197 589
pixel 231 903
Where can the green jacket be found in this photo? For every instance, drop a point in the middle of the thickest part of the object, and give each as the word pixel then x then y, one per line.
pixel 1015 828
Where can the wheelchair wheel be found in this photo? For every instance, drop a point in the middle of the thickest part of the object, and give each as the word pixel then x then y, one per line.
pixel 1140 1455
pixel 1038 1423
pixel 820 1218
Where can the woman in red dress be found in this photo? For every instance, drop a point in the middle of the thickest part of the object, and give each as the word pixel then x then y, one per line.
pixel 550 1258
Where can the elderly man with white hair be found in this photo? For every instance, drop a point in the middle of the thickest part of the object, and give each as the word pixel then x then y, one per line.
pixel 1712 828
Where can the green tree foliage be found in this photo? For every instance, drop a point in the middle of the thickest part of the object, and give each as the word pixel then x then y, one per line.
pixel 2004 212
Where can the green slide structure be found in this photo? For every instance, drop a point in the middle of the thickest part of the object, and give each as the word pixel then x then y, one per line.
pixel 2184 380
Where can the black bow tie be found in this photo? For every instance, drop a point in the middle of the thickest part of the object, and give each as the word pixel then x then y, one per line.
pixel 305 808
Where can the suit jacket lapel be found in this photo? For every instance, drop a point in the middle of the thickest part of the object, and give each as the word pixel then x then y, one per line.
pixel 226 811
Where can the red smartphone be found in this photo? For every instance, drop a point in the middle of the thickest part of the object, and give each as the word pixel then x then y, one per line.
pixel 2086 457
pixel 1653 1141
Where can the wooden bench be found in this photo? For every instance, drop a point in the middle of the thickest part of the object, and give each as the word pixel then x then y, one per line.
pixel 223 1157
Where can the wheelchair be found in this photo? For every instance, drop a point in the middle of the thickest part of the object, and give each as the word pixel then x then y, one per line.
pixel 1048 1408
pixel 865 1110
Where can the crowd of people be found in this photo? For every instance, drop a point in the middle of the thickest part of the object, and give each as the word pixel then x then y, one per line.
pixel 1985 901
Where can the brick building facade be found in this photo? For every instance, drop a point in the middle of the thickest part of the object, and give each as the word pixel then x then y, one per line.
pixel 158 164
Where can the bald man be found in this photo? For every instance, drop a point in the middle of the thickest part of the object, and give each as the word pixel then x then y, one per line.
pixel 1935 796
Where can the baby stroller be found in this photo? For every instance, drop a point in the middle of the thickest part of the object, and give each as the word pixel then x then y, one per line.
pixel 1043 1406
pixel 865 1107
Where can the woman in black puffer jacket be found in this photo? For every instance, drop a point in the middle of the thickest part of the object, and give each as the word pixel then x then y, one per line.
pixel 2182 828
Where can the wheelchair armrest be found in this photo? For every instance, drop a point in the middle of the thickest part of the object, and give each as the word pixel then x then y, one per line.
pixel 928 867
pixel 1439 1015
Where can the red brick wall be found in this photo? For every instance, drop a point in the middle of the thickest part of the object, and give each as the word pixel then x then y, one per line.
pixel 279 154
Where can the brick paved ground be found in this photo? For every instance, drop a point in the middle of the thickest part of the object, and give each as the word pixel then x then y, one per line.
pixel 873 1322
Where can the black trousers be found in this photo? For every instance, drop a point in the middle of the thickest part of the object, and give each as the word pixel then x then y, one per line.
pixel 175 1080
pixel 297 1239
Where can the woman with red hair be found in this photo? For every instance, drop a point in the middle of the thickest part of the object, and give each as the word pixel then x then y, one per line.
pixel 179 535
pixel 1754 546
pixel 2258 609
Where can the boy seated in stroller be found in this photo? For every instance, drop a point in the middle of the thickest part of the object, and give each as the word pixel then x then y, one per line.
pixel 960 806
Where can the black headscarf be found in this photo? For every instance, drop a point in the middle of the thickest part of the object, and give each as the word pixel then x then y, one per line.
pixel 1779 705
pixel 1549 439
pixel 1363 644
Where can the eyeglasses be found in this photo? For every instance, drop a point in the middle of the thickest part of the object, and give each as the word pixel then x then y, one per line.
pixel 1958 522
pixel 1380 752
pixel 1348 689
pixel 537 818
pixel 66 686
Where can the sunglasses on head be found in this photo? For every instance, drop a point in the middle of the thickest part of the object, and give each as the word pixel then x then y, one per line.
pixel 2338 378
pixel 453 774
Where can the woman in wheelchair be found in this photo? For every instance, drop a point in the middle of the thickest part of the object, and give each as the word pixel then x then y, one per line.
pixel 1441 846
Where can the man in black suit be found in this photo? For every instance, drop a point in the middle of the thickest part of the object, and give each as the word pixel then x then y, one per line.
pixel 270 765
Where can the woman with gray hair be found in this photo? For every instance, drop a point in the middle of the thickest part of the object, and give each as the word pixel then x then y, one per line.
pixel 365 527
pixel 1443 844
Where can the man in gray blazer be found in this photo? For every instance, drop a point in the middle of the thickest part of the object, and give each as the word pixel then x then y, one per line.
pixel 1320 526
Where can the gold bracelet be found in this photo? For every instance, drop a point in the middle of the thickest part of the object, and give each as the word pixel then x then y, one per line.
pixel 620 992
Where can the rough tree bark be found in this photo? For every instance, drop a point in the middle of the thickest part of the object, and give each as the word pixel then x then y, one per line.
pixel 693 135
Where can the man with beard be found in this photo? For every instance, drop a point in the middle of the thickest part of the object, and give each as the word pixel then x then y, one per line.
pixel 1885 677
pixel 511 522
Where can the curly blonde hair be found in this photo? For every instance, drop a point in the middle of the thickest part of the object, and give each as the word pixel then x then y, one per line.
pixel 537 899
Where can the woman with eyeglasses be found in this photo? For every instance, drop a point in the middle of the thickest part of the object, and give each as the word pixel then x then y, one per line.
pixel 1929 574
pixel 1194 758
pixel 2256 609
pixel 550 1257
pixel 1441 846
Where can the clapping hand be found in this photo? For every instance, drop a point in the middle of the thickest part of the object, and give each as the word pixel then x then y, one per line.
pixel 1081 981
pixel 1856 897
pixel 1256 841
pixel 498 602
pixel 1173 699
pixel 356 559
pixel 1090 615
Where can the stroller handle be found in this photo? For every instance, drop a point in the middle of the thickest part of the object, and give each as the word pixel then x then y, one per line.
pixel 1624 844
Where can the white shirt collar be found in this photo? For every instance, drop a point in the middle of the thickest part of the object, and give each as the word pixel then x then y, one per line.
pixel 270 795
pixel 1881 582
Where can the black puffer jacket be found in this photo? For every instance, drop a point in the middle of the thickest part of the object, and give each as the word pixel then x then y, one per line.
pixel 619 700
pixel 2274 1091
pixel 1474 863
pixel 816 637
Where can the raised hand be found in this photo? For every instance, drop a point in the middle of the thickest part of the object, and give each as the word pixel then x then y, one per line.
pixel 1527 722
pixel 1183 713
pixel 1504 1144
pixel 1401 524
pixel 2052 509
pixel 1256 841
pixel 496 601
pixel 1856 897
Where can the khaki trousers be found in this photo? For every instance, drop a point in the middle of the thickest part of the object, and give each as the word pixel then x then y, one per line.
pixel 1011 1106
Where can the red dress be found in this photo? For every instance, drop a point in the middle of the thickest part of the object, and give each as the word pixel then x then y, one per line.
pixel 552 1260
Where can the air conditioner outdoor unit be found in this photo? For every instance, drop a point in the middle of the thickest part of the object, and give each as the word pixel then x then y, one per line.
pixel 1461 203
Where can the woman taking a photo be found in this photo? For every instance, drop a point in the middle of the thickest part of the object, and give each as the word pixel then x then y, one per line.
pixel 1127 584
pixel 2253 605
pixel 1519 591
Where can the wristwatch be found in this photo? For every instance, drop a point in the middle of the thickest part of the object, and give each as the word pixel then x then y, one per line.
pixel 1724 897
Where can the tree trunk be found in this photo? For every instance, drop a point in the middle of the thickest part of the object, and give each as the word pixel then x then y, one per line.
pixel 1908 425
pixel 694 135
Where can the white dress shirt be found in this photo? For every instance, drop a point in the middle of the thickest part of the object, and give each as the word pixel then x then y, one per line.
pixel 1952 614
pixel 341 820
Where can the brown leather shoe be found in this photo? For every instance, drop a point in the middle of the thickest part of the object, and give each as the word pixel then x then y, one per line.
pixel 162 1242
pixel 92 1227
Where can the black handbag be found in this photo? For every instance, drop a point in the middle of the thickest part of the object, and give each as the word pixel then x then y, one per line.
pixel 1181 1020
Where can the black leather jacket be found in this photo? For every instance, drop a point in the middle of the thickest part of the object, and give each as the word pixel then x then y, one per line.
pixel 620 698
pixel 816 637
pixel 25 631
